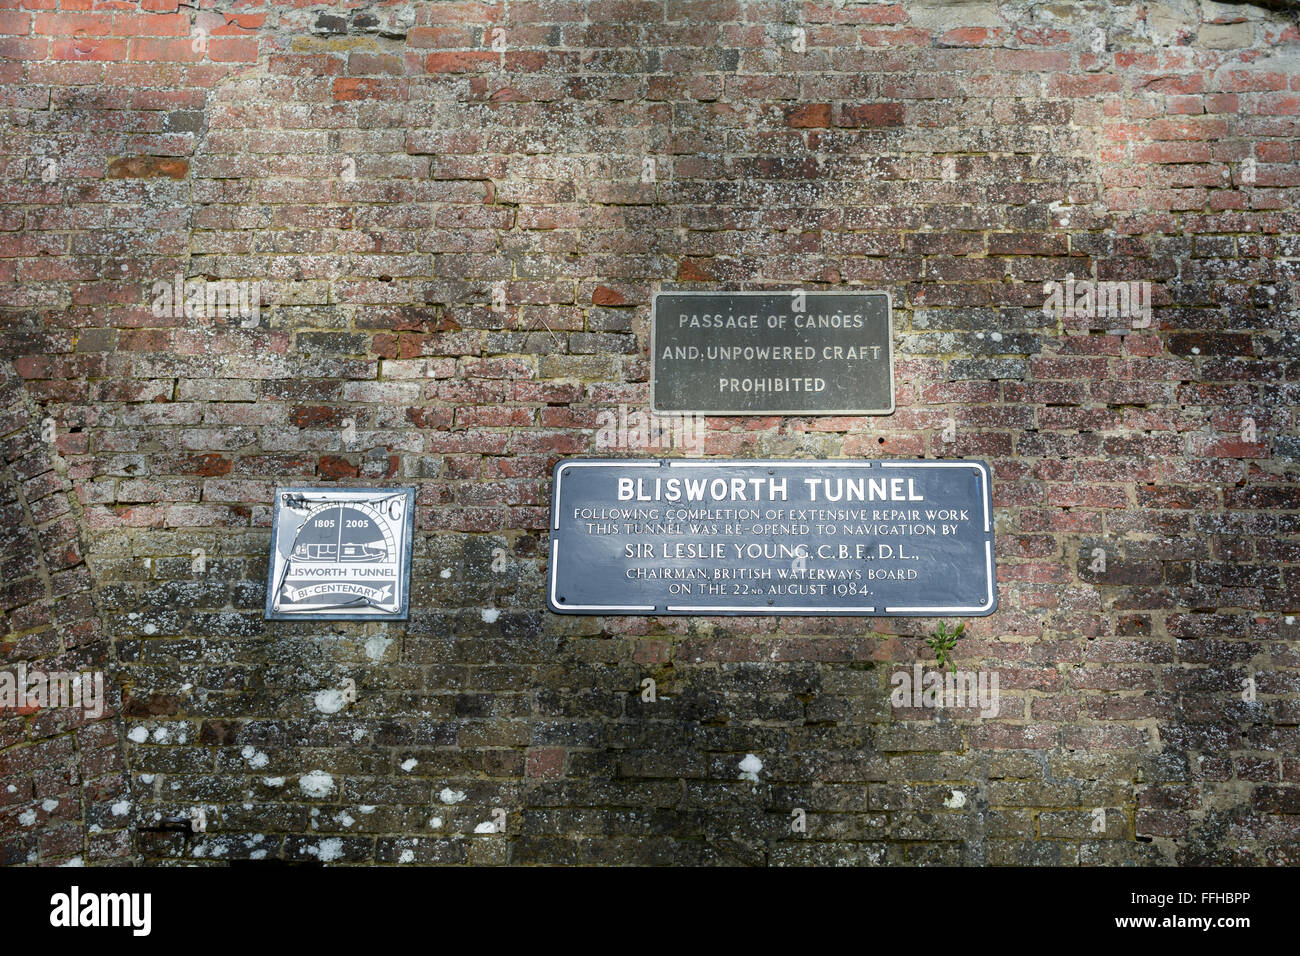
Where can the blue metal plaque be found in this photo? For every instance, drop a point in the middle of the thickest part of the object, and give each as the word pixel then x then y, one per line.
pixel 882 538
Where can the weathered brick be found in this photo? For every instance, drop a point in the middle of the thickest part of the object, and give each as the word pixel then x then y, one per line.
pixel 456 253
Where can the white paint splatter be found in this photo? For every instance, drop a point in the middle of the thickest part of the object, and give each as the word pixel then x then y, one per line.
pixel 27 817
pixel 273 781
pixel 316 784
pixel 331 849
pixel 139 734
pixel 49 806
pixel 377 646
pixel 489 615
pixel 487 826
pixel 450 796
pixel 121 808
pixel 256 759
pixel 331 701
pixel 410 764
pixel 749 768
pixel 407 856
pixel 445 573
pixel 435 823
pixel 956 801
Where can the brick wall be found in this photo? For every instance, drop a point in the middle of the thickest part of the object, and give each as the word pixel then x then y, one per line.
pixel 379 170
pixel 63 791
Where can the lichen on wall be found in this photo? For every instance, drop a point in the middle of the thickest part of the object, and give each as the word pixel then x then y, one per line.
pixel 422 240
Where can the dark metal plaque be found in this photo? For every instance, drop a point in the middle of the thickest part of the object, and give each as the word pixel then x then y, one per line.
pixel 881 538
pixel 340 553
pixel 772 353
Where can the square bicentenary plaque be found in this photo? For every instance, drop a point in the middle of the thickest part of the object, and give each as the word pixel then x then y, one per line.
pixel 340 553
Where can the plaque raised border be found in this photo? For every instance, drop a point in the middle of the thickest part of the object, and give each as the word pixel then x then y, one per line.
pixel 655 405
pixel 400 528
pixel 559 538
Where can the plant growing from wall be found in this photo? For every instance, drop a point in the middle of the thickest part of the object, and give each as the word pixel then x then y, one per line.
pixel 944 640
